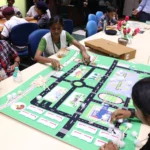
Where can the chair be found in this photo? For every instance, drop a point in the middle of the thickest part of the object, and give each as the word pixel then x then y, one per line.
pixel 99 14
pixel 92 17
pixel 34 39
pixel 19 36
pixel 68 25
pixel 91 28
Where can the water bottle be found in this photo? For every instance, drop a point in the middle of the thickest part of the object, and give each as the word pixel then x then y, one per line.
pixel 17 75
pixel 104 25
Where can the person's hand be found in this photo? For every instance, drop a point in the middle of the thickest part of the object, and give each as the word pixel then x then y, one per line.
pixel 56 64
pixel 135 12
pixel 109 146
pixel 1 78
pixel 1 16
pixel 85 4
pixel 11 68
pixel 85 57
pixel 29 18
pixel 120 114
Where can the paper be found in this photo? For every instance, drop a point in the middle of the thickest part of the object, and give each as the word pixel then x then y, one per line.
pixel 36 109
pixel 47 123
pixel 87 128
pixel 82 136
pixel 54 116
pixel 99 142
pixel 28 115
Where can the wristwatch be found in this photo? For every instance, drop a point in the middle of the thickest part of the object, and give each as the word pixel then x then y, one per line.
pixel 132 113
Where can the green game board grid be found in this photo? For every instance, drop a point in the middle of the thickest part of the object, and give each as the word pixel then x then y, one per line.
pixel 72 110
pixel 102 60
pixel 25 85
pixel 34 123
pixel 136 66
pixel 89 109
pixel 111 95
pixel 71 78
pixel 65 85
pixel 92 82
pixel 107 61
pixel 81 143
pixel 129 140
pixel 32 94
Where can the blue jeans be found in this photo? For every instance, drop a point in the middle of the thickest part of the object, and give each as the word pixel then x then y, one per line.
pixel 144 17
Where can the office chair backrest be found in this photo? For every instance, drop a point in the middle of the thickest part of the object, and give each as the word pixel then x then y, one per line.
pixel 99 14
pixel 20 33
pixel 34 39
pixel 92 17
pixel 68 25
pixel 91 28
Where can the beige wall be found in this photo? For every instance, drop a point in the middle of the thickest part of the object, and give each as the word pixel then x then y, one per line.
pixel 21 4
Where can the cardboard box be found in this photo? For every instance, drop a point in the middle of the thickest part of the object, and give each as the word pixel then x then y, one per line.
pixel 111 49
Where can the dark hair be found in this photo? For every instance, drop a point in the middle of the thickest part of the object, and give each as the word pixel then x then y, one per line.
pixel 56 19
pixel 13 0
pixel 8 11
pixel 110 9
pixel 141 95
pixel 42 6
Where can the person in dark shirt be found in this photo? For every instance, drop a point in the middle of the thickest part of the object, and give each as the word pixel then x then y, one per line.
pixel 109 17
pixel 42 16
pixel 141 101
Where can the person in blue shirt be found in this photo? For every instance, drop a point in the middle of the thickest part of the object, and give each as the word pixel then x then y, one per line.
pixel 144 8
pixel 109 16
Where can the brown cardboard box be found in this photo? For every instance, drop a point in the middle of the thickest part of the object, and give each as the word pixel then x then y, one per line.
pixel 111 49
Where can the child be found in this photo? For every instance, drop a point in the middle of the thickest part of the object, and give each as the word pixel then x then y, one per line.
pixel 42 16
pixel 32 11
pixel 10 4
pixel 55 40
pixel 141 101
pixel 12 21
pixel 109 17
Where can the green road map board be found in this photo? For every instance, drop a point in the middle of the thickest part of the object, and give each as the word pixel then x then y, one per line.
pixel 74 101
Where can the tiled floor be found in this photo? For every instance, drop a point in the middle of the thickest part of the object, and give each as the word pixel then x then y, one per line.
pixel 79 34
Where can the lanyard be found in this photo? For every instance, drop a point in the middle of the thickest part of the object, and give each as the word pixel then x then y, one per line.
pixel 54 47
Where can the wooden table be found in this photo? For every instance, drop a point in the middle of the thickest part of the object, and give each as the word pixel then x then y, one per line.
pixel 140 42
pixel 15 135
pixel 2 21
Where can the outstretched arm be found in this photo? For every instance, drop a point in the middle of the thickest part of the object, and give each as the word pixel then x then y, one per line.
pixel 86 57
pixel 55 63
pixel 141 6
pixel 121 114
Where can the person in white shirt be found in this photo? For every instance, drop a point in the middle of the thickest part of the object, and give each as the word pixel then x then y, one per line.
pixel 10 4
pixel 32 11
pixel 9 14
pixel 42 17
